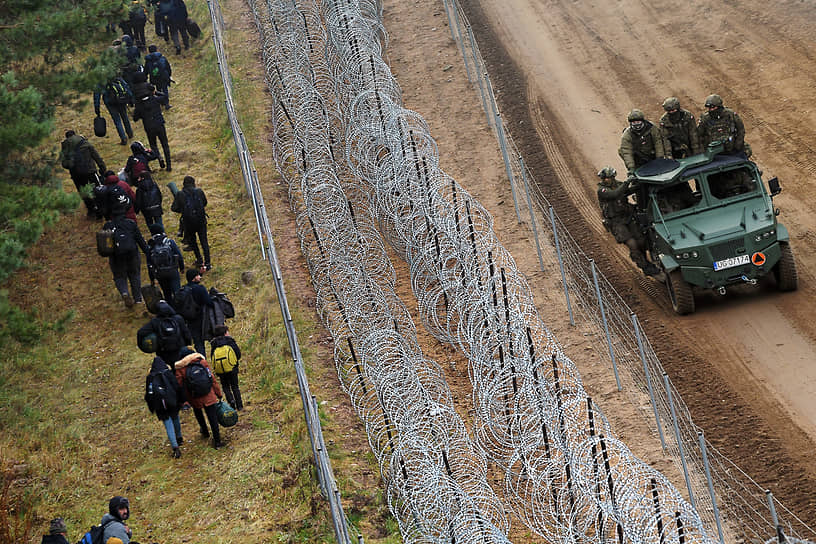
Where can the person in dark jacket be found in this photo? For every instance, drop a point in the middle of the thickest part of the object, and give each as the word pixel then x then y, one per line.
pixel 177 19
pixel 108 199
pixel 139 161
pixel 82 160
pixel 141 87
pixel 228 379
pixel 170 338
pixel 132 53
pixel 191 203
pixel 206 403
pixel 202 298
pixel 125 263
pixel 148 109
pixel 137 16
pixel 148 200
pixel 158 69
pixel 169 278
pixel 165 407
pixel 116 94
pixel 114 521
pixel 57 533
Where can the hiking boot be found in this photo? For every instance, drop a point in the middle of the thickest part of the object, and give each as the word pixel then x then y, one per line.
pixel 188 247
pixel 161 162
pixel 218 445
pixel 176 453
pixel 128 300
pixel 204 433
pixel 178 50
pixel 207 267
pixel 122 142
pixel 180 440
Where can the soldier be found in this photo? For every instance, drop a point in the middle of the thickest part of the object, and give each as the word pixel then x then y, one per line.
pixel 724 125
pixel 618 218
pixel 641 142
pixel 678 130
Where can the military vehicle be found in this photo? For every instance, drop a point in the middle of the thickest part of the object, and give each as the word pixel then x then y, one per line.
pixel 710 224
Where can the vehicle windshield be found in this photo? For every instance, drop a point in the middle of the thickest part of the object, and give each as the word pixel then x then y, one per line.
pixel 730 183
pixel 678 197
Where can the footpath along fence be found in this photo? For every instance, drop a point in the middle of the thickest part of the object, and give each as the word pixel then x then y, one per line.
pixel 749 512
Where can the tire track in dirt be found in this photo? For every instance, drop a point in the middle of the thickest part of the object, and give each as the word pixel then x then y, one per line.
pixel 750 429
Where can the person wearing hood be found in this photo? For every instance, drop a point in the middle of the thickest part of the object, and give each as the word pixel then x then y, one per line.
pixel 149 110
pixel 164 397
pixel 177 19
pixel 148 199
pixel 82 160
pixel 141 87
pixel 191 203
pixel 109 197
pixel 139 161
pixel 57 533
pixel 202 298
pixel 641 142
pixel 171 332
pixel 125 263
pixel 166 259
pixel 679 130
pixel 137 16
pixel 113 522
pixel 160 72
pixel 202 403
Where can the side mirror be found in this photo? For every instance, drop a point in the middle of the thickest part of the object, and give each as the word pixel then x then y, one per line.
pixel 773 185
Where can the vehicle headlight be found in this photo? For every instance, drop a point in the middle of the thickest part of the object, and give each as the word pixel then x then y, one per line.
pixel 694 254
pixel 757 238
pixel 766 234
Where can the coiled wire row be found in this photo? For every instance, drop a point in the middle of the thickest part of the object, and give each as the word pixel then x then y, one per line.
pixel 566 477
pixel 435 477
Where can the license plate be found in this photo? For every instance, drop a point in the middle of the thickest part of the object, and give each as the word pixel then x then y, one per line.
pixel 731 262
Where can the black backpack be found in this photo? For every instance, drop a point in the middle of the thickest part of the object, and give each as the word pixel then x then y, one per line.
pixel 123 240
pixel 164 260
pixel 119 202
pixel 159 393
pixel 152 200
pixel 117 89
pixel 80 160
pixel 95 534
pixel 185 304
pixel 193 210
pixel 198 380
pixel 169 334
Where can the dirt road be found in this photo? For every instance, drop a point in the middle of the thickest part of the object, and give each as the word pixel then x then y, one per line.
pixel 568 72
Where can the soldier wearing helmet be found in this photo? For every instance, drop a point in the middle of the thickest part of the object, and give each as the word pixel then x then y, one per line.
pixel 619 217
pixel 641 142
pixel 721 124
pixel 679 130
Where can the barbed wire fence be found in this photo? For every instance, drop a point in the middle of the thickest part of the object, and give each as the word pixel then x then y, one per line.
pixel 748 511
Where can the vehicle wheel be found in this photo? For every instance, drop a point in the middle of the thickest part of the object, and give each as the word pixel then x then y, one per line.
pixel 785 269
pixel 680 293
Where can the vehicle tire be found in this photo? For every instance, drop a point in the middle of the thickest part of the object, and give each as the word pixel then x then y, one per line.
pixel 785 269
pixel 680 293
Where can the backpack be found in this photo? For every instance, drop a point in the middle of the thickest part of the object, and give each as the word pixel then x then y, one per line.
pixel 117 89
pixel 119 201
pixel 159 394
pixel 95 534
pixel 80 160
pixel 152 199
pixel 105 244
pixel 224 359
pixel 169 334
pixel 137 15
pixel 163 259
pixel 198 380
pixel 123 241
pixel 193 29
pixel 193 209
pixel 185 304
pixel 158 68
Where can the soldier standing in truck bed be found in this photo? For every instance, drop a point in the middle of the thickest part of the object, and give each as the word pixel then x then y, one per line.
pixel 679 130
pixel 641 142
pixel 722 124
pixel 619 218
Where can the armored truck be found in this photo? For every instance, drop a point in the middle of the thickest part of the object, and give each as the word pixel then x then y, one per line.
pixel 710 223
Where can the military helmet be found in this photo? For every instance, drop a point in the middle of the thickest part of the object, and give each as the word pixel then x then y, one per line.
pixel 607 173
pixel 713 101
pixel 636 115
pixel 671 103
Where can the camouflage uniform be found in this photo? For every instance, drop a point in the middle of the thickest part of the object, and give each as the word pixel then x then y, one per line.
pixel 618 218
pixel 723 125
pixel 679 133
pixel 638 148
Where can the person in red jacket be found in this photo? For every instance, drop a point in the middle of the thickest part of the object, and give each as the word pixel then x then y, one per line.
pixel 200 403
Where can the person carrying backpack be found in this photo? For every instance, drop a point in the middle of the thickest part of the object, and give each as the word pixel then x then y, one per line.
pixel 177 18
pixel 115 197
pixel 82 161
pixel 125 263
pixel 148 199
pixel 117 96
pixel 225 355
pixel 202 392
pixel 139 161
pixel 137 16
pixel 167 262
pixel 164 397
pixel 148 109
pixel 114 521
pixel 189 302
pixel 171 332
pixel 191 203
pixel 160 72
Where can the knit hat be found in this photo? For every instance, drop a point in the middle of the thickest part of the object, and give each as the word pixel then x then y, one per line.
pixel 57 526
pixel 156 228
pixel 191 274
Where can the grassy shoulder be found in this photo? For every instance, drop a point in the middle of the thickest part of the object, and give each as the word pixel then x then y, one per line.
pixel 76 430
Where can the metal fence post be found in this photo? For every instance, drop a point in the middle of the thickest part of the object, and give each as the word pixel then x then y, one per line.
pixel 561 265
pixel 478 73
pixel 605 322
pixel 459 40
pixel 679 440
pixel 648 379
pixel 710 485
pixel 532 211
pixel 780 534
